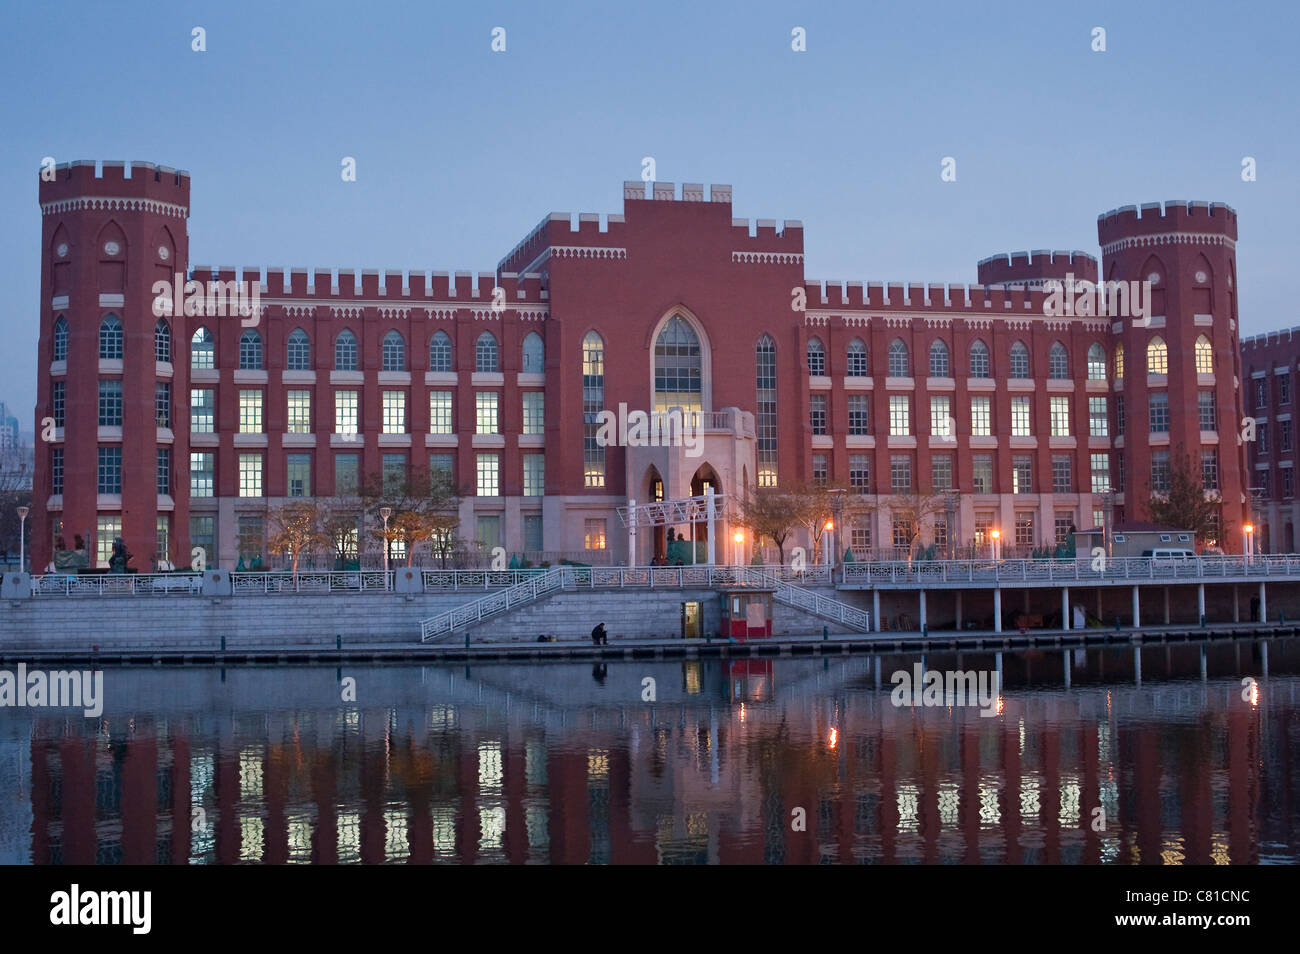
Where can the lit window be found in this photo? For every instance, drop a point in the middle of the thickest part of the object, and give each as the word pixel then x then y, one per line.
pixel 299 402
pixel 345 412
pixel 250 411
pixel 488 484
pixel 1119 362
pixel 1059 407
pixel 394 410
pixel 485 412
pixel 1157 357
pixel 765 409
pixel 593 534
pixel 941 422
pixel 1204 356
pixel 593 402
pixel 250 475
pixel 981 420
pixel 1020 417
pixel 900 424
pixel 440 419
pixel 107 530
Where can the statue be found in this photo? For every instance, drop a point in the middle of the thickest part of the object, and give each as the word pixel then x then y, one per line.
pixel 69 561
pixel 120 558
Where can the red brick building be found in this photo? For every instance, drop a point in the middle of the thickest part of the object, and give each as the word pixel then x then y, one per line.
pixel 181 430
pixel 1270 363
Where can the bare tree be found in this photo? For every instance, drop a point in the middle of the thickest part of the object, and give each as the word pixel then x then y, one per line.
pixel 297 527
pixel 772 514
pixel 425 508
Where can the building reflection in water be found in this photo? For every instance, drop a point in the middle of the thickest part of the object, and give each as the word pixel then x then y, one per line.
pixel 1108 756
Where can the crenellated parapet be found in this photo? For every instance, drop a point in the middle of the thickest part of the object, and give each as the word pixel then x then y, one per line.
pixel 1034 268
pixel 333 285
pixel 113 186
pixel 1176 221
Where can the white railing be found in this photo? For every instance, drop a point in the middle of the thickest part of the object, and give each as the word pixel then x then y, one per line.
pixel 305 581
pixel 809 601
pixel 444 624
pixel 1080 570
pixel 117 584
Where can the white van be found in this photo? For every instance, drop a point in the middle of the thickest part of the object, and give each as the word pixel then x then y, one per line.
pixel 1170 557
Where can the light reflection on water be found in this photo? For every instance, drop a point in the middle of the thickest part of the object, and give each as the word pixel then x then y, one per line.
pixel 1094 756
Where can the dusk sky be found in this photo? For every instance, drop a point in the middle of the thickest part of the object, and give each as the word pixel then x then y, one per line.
pixel 460 150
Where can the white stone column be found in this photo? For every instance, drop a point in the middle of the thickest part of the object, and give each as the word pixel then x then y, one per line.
pixel 875 611
pixel 959 613
pixel 1166 606
pixel 1137 619
pixel 713 525
pixel 632 555
pixel 1065 607
pixel 1236 605
pixel 997 609
pixel 1200 602
pixel 1263 604
pixel 923 620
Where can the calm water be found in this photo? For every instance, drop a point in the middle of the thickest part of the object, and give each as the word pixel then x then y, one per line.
pixel 568 764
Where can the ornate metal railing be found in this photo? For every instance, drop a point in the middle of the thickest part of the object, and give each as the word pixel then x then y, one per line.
pixel 1082 570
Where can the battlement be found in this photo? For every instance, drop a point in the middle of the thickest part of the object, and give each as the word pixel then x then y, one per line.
pixel 116 179
pixel 642 200
pixel 388 287
pixel 1176 215
pixel 971 301
pixel 1033 268
pixel 1270 339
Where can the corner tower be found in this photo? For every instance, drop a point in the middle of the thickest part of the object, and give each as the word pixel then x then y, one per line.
pixel 111 375
pixel 1185 354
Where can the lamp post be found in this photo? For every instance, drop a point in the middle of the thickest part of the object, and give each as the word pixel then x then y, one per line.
pixel 995 535
pixel 1248 543
pixel 740 539
pixel 385 512
pixel 830 544
pixel 22 537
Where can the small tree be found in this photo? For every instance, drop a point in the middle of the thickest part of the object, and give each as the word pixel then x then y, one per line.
pixel 771 513
pixel 1187 505
pixel 426 507
pixel 916 508
pixel 297 527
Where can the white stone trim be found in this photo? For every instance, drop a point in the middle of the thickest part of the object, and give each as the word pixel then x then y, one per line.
pixel 115 204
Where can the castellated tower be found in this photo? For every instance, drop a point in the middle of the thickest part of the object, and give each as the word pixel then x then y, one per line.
pixel 1186 356
pixel 112 376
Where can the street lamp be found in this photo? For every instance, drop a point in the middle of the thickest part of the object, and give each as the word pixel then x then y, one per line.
pixel 995 535
pixel 385 512
pixel 1247 542
pixel 740 539
pixel 22 537
pixel 830 544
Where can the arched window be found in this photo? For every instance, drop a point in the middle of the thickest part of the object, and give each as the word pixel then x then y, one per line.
pixel 1119 361
pixel 1204 356
pixel 345 351
pixel 593 402
pixel 1157 356
pixel 816 357
pixel 857 359
pixel 939 360
pixel 679 374
pixel 899 365
pixel 250 351
pixel 162 341
pixel 1058 362
pixel 1096 362
pixel 299 352
pixel 110 337
pixel 979 360
pixel 534 354
pixel 60 343
pixel 765 419
pixel 393 352
pixel 1019 360
pixel 440 352
pixel 485 354
pixel 203 352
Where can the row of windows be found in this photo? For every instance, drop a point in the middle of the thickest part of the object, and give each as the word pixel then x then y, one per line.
pixel 347 412
pixel 900 480
pixel 943 424
pixel 940 366
pixel 1283 391
pixel 347 473
pixel 903 531
pixel 1018 365
pixel 392 352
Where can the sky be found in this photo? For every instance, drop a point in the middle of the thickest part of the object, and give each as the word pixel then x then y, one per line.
pixel 461 150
